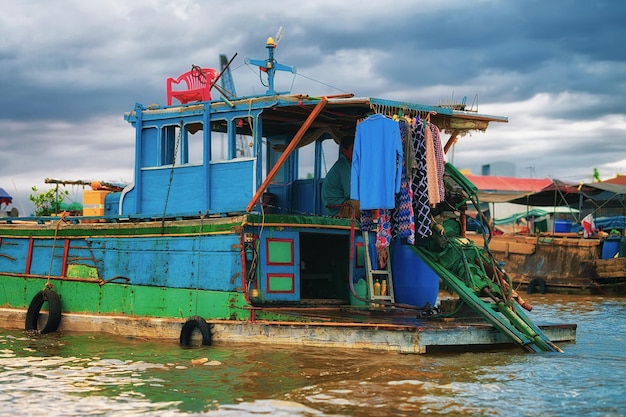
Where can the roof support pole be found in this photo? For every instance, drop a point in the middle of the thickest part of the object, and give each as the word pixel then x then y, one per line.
pixel 290 148
pixel 451 141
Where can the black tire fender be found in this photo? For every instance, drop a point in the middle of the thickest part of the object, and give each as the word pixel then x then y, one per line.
pixel 192 323
pixel 536 285
pixel 54 311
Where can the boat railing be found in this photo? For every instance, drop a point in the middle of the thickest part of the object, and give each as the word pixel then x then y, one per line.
pixel 110 218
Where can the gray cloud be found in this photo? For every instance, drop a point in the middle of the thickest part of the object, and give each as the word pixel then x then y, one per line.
pixel 70 69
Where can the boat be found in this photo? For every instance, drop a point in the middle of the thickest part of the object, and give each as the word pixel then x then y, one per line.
pixel 552 251
pixel 5 202
pixel 222 237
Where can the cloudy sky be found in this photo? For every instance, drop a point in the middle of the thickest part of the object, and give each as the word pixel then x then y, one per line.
pixel 69 69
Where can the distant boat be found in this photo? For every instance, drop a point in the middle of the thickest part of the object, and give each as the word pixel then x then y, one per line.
pixel 551 252
pixel 5 198
pixel 223 235
pixel 5 201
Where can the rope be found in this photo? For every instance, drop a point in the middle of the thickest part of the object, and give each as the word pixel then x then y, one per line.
pixel 169 185
pixel 320 82
pixel 115 278
pixel 197 289
pixel 197 72
pixel 54 241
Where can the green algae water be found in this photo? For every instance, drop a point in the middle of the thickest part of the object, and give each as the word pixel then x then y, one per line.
pixel 63 374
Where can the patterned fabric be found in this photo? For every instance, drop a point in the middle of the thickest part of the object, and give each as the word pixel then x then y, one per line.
pixel 383 236
pixel 409 152
pixel 419 185
pixel 402 219
pixel 431 167
pixel 440 159
pixel 383 233
pixel 367 221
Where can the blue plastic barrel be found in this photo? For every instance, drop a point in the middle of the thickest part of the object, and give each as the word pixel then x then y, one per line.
pixel 562 226
pixel 610 248
pixel 414 283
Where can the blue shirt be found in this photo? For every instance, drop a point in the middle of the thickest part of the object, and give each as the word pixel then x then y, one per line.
pixel 336 185
pixel 376 163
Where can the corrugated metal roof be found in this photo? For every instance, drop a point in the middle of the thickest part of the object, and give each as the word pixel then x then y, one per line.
pixel 495 189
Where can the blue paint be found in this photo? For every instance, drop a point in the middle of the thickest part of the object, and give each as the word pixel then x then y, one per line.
pixel 292 269
pixel 610 248
pixel 562 226
pixel 208 262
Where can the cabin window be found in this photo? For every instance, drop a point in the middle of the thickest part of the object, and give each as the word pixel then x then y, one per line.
pixel 244 141
pixel 330 154
pixel 306 162
pixel 193 150
pixel 263 147
pixel 169 137
pixel 275 148
pixel 167 145
pixel 219 146
pixel 231 139
pixel 149 147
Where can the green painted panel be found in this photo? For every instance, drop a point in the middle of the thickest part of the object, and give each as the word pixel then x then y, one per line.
pixel 222 305
pixel 130 300
pixel 280 251
pixel 13 294
pixel 117 298
pixel 178 302
pixel 30 289
pixel 280 283
pixel 78 296
pixel 151 301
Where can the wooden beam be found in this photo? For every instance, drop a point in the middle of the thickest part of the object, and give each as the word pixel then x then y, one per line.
pixel 290 148
pixel 451 141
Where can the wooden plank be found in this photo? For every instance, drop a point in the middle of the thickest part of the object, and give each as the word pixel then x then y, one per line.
pixel 507 246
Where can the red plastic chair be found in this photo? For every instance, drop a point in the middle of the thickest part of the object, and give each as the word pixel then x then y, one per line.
pixel 198 82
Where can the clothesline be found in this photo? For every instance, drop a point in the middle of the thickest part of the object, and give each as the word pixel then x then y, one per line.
pixel 411 114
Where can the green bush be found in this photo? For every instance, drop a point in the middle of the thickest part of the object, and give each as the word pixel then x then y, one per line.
pixel 47 202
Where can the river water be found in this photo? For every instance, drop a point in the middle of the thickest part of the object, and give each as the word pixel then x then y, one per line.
pixel 77 374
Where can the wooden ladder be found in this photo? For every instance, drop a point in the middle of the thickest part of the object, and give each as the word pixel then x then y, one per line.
pixel 381 274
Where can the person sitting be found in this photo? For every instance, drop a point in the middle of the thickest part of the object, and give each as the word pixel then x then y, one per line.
pixel 336 186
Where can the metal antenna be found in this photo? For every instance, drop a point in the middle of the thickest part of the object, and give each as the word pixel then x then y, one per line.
pixel 279 35
pixel 270 65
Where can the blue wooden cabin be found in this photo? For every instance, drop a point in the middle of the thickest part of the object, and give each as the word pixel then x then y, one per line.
pixel 223 151
pixel 218 170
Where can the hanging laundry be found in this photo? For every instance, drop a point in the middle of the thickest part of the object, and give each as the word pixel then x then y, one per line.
pixel 419 184
pixel 431 167
pixel 383 233
pixel 383 237
pixel 402 218
pixel 589 225
pixel 376 163
pixel 440 160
